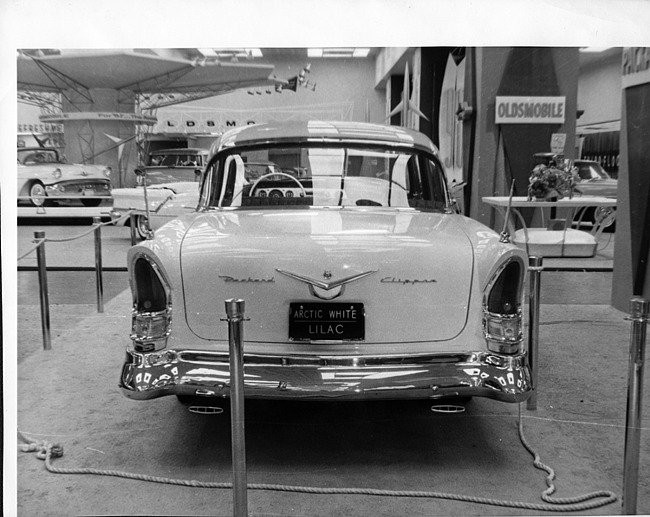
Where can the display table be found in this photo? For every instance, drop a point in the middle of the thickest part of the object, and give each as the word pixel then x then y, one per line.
pixel 556 238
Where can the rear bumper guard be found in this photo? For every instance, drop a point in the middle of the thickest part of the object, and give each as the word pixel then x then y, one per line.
pixel 191 373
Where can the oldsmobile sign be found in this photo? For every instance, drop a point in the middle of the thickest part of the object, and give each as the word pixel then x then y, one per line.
pixel 530 110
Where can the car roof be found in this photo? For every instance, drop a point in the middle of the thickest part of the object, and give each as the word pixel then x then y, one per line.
pixel 325 131
pixel 180 150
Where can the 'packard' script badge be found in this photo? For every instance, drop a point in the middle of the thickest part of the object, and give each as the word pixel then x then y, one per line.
pixel 405 281
pixel 228 279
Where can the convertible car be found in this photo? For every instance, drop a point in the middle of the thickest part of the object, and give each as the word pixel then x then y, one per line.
pixel 166 201
pixel 361 279
pixel 44 176
pixel 171 176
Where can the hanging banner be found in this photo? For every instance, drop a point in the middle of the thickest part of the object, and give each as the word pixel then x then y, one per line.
pixel 99 115
pixel 214 121
pixel 180 122
pixel 530 110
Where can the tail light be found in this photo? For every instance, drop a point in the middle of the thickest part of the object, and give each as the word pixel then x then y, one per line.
pixel 151 314
pixel 502 315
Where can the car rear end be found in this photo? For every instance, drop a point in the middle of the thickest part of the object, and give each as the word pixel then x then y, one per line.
pixel 352 293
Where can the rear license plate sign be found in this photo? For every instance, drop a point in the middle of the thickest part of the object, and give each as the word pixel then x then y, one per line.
pixel 326 321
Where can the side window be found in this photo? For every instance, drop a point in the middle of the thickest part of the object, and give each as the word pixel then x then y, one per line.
pixel 427 184
pixel 209 181
pixel 584 173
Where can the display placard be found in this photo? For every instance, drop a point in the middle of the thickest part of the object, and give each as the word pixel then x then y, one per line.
pixel 530 110
pixel 558 142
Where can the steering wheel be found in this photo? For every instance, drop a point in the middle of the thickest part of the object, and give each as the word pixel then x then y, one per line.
pixel 303 193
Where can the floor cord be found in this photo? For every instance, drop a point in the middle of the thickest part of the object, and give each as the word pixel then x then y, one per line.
pixel 47 451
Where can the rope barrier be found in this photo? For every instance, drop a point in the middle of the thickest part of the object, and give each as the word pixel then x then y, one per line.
pixel 47 451
pixel 92 229
pixel 39 242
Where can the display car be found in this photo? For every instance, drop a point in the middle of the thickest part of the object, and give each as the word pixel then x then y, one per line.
pixel 44 177
pixel 590 180
pixel 361 281
pixel 172 177
pixel 172 165
pixel 594 180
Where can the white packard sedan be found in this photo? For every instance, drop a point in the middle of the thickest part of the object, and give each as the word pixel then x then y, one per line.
pixel 361 280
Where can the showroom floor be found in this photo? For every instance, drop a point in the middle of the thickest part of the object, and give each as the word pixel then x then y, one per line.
pixel 69 395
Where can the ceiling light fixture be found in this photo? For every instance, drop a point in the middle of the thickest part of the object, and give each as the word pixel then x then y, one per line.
pixel 593 49
pixel 338 52
pixel 254 52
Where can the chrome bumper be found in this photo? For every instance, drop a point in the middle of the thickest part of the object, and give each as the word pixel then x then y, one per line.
pixel 202 373
pixel 117 216
pixel 79 189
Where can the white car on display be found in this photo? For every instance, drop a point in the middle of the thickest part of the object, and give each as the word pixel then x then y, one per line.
pixel 166 201
pixel 594 181
pixel 172 180
pixel 44 177
pixel 361 279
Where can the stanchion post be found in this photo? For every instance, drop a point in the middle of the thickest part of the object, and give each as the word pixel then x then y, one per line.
pixel 639 309
pixel 132 224
pixel 235 315
pixel 98 263
pixel 535 267
pixel 43 292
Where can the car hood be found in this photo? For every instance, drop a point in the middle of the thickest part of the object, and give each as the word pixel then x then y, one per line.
pixel 419 270
pixel 157 195
pixel 606 188
pixel 161 175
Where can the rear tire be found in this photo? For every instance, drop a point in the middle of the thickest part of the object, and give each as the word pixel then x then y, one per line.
pixel 91 202
pixel 141 226
pixel 606 216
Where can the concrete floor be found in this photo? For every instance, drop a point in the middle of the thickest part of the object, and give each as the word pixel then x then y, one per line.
pixel 69 395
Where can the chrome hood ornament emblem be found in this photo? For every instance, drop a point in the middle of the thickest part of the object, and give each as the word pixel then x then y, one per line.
pixel 325 290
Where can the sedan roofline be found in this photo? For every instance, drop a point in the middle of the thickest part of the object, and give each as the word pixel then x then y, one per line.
pixel 356 133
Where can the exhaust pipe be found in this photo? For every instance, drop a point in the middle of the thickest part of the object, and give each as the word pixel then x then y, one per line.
pixel 448 408
pixel 205 410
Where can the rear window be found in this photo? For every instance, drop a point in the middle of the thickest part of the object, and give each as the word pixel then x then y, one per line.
pixel 321 175
pixel 175 160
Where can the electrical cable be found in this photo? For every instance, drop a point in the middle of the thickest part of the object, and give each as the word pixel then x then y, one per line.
pixel 47 451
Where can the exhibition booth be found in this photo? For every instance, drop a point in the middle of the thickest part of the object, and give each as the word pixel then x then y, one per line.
pixel 319 243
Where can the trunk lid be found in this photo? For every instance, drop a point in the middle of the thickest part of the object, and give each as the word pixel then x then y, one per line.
pixel 418 270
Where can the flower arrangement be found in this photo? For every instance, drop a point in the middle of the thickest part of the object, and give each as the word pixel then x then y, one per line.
pixel 553 181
